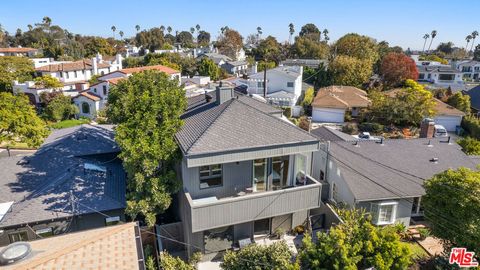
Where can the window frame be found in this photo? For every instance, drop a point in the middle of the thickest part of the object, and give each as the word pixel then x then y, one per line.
pixel 290 84
pixel 210 175
pixel 376 214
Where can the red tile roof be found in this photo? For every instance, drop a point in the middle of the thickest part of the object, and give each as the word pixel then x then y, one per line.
pixel 17 50
pixel 85 64
pixel 89 95
pixel 161 68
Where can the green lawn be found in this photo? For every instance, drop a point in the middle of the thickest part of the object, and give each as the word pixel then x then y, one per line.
pixel 16 145
pixel 69 123
pixel 417 251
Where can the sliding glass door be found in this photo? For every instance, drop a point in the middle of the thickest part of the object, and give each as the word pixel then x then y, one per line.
pixel 280 172
pixel 260 174
pixel 271 173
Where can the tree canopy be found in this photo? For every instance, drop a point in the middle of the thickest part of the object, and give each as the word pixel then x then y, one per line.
pixel 14 68
pixel 19 121
pixel 310 31
pixel 185 38
pixel 147 109
pixel 452 205
pixel 47 81
pixel 203 38
pixel 59 107
pixel 347 70
pixel 358 46
pixel 256 257
pixel 305 47
pixel 395 68
pixel 407 106
pixel 207 67
pixel 355 244
pixel 229 43
pixel 268 49
pixel 460 101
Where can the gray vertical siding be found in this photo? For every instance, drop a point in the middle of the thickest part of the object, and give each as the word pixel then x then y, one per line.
pixel 404 209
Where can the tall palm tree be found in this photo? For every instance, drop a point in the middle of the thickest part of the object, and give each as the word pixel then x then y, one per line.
pixel 192 30
pixel 121 34
pixel 291 30
pixel 30 27
pixel 197 27
pixel 113 30
pixel 169 29
pixel 162 28
pixel 47 21
pixel 325 35
pixel 468 38
pixel 137 27
pixel 474 35
pixel 259 32
pixel 433 35
pixel 426 36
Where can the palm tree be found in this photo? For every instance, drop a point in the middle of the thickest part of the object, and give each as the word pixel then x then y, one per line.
pixel 474 35
pixel 433 35
pixel 426 36
pixel 291 30
pixel 30 27
pixel 113 30
pixel 192 30
pixel 47 21
pixel 121 34
pixel 197 27
pixel 325 35
pixel 162 28
pixel 468 38
pixel 137 27
pixel 259 32
pixel 169 29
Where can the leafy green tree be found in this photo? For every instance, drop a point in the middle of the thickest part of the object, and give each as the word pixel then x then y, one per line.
pixel 347 70
pixel 319 77
pixel 308 98
pixel 460 101
pixel 470 145
pixel 452 205
pixel 185 38
pixel 256 257
pixel 168 262
pixel 360 47
pixel 203 38
pixel 152 39
pixel 59 108
pixel 147 109
pixel 229 43
pixel 98 45
pixel 48 82
pixel 310 31
pixel 262 65
pixel 14 68
pixel 355 244
pixel 407 106
pixel 445 48
pixel 268 49
pixel 19 121
pixel 305 47
pixel 433 57
pixel 174 60
pixel 207 67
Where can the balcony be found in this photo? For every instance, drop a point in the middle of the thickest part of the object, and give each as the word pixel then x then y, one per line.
pixel 212 212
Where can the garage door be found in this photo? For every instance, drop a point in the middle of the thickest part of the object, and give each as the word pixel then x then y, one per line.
pixel 449 122
pixel 328 115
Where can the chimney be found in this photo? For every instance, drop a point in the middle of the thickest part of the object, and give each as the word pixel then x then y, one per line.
pixel 426 128
pixel 94 66
pixel 118 59
pixel 224 93
pixel 255 67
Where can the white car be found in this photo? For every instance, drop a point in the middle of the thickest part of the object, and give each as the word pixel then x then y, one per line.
pixel 440 131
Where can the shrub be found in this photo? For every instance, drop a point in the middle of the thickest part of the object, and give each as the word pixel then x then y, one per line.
pixel 279 233
pixel 304 123
pixel 371 127
pixel 287 112
pixel 471 125
pixel 350 128
pixel 424 233
pixel 470 145
pixel 299 229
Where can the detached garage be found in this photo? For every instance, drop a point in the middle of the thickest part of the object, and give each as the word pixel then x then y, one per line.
pixel 331 103
pixel 447 116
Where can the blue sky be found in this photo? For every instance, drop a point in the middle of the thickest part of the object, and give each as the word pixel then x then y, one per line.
pixel 401 23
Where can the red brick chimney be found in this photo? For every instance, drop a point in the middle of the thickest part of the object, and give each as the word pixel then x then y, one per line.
pixel 427 128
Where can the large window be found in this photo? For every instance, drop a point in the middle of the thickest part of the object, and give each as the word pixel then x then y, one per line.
pixel 18 236
pixel 300 169
pixel 384 213
pixel 210 176
pixel 280 172
pixel 446 77
pixel 85 108
pixel 104 90
pixel 260 174
pixel 289 84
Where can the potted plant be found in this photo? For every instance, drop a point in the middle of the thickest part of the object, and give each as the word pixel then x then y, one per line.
pixel 279 233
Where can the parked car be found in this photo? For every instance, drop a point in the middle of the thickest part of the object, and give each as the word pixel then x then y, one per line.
pixel 364 135
pixel 440 131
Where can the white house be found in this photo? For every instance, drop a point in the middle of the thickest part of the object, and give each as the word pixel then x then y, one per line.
pixel 331 103
pixel 470 69
pixel 81 70
pixel 88 104
pixel 34 92
pixel 440 76
pixel 284 85
pixel 236 67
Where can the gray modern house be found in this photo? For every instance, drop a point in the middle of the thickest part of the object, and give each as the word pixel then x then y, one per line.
pixel 246 171
pixel 384 177
pixel 70 184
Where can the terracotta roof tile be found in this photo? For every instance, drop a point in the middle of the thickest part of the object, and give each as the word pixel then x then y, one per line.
pixel 85 64
pixel 165 69
pixel 17 50
pixel 89 95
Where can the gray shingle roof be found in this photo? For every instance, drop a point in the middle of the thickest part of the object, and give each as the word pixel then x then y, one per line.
pixel 290 71
pixel 239 123
pixel 474 94
pixel 330 134
pixel 409 159
pixel 40 183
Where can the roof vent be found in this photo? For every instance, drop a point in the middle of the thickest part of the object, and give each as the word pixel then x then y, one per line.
pixel 429 143
pixel 356 144
pixel 434 160
pixel 14 252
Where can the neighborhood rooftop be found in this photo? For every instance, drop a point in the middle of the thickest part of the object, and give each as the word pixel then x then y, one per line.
pixel 84 64
pixel 161 68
